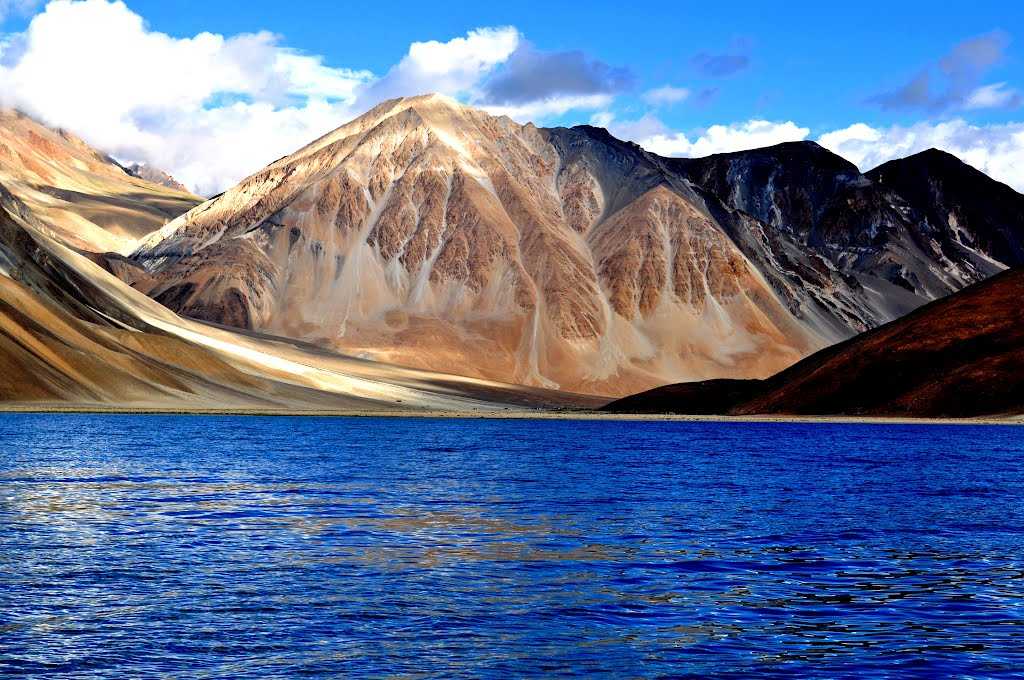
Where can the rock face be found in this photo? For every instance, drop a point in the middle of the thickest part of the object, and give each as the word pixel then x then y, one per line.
pixel 965 207
pixel 88 200
pixel 430 234
pixel 962 356
pixel 836 240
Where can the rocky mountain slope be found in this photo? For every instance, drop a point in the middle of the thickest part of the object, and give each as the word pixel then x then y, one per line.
pixel 962 356
pixel 90 201
pixel 155 175
pixel 430 234
pixel 71 334
pixel 963 205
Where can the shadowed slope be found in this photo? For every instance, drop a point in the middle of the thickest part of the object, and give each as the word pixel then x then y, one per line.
pixel 959 357
pixel 966 206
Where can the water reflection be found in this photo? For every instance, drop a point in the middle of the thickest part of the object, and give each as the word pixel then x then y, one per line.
pixel 262 547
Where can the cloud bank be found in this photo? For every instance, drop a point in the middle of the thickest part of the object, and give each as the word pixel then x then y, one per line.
pixel 996 150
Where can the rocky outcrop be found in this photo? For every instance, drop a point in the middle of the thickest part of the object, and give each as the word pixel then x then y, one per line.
pixel 155 175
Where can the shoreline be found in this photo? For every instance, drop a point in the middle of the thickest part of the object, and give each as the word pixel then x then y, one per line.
pixel 510 414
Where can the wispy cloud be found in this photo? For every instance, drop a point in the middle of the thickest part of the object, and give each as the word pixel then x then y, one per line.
pixel 666 94
pixel 955 81
pixel 720 65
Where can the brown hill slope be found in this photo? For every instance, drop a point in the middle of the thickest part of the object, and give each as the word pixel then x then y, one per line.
pixel 89 201
pixel 72 334
pixel 959 357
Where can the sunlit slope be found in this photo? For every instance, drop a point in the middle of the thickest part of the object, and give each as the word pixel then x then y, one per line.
pixel 90 201
pixel 72 334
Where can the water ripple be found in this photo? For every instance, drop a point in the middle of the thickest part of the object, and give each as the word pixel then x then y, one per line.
pixel 247 547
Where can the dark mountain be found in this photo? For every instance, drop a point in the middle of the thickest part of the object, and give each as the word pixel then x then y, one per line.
pixel 963 204
pixel 958 357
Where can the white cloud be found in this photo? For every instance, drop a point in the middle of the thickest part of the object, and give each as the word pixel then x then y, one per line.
pixel 996 150
pixel 211 109
pixel 177 103
pixel 995 96
pixel 723 138
pixel 666 94
pixel 453 68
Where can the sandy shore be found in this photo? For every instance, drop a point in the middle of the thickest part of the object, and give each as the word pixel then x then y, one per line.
pixel 510 414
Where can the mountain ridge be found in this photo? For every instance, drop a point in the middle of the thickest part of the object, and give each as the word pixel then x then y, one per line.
pixel 431 234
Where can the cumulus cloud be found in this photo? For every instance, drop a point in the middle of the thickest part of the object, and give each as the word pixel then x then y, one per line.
pixel 955 80
pixel 95 68
pixel 532 75
pixel 667 94
pixel 996 150
pixel 533 85
pixel 211 109
pixel 454 68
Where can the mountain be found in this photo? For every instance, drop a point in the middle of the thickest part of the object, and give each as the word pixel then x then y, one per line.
pixel 72 334
pixel 89 200
pixel 964 205
pixel 859 248
pixel 958 357
pixel 155 175
pixel 430 234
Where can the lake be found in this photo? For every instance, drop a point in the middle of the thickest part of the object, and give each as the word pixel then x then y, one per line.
pixel 138 546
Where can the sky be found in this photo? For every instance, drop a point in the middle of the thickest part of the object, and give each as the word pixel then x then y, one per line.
pixel 212 93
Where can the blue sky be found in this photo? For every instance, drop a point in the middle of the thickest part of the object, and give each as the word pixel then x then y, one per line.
pixel 872 79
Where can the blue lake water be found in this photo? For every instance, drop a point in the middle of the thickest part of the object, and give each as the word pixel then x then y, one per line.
pixel 139 546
